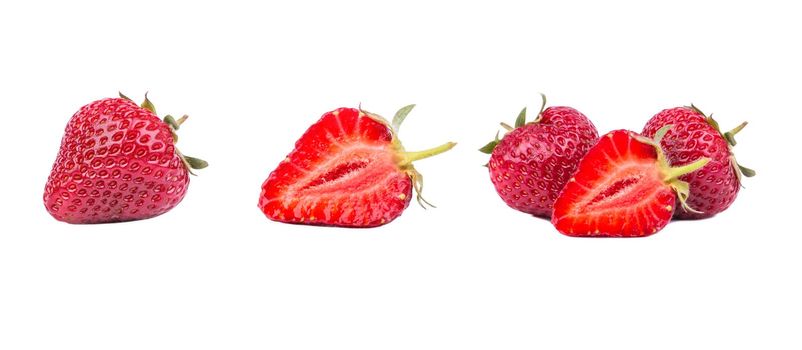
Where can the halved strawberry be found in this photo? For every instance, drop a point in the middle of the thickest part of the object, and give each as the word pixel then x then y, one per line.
pixel 348 169
pixel 624 187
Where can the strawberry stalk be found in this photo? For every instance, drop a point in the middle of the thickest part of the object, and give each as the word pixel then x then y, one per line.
pixel 417 178
pixel 674 173
pixel 409 157
pixel 406 158
pixel 730 135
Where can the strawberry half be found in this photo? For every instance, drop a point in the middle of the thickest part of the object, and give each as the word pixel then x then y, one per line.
pixel 624 187
pixel 349 169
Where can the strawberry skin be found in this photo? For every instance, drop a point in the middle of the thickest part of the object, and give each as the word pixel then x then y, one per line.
pixel 533 161
pixel 348 169
pixel 117 162
pixel 622 188
pixel 571 119
pixel 531 165
pixel 694 136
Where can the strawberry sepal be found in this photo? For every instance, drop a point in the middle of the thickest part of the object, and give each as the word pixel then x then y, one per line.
pixel 190 163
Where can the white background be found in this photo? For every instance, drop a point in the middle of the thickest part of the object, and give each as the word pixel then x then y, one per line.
pixel 214 273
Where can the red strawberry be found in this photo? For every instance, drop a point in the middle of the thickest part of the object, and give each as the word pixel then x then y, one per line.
pixel 349 169
pixel 117 162
pixel 532 162
pixel 623 187
pixel 694 135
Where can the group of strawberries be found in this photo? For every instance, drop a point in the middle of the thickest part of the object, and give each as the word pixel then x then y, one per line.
pixel 118 162
pixel 622 184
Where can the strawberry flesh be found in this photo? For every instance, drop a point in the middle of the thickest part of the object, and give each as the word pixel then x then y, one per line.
pixel 622 188
pixel 346 170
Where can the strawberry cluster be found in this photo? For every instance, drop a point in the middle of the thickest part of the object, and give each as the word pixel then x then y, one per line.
pixel 623 184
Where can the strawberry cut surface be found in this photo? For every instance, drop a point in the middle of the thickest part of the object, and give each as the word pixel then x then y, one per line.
pixel 622 188
pixel 348 169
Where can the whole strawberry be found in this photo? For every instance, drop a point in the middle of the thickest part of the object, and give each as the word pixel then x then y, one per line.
pixel 117 162
pixel 533 161
pixel 348 169
pixel 694 136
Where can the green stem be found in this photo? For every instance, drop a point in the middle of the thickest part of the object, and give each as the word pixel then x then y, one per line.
pixel 676 172
pixel 737 128
pixel 730 135
pixel 410 157
pixel 182 120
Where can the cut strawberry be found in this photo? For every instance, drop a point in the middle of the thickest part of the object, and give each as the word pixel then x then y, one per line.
pixel 348 169
pixel 623 187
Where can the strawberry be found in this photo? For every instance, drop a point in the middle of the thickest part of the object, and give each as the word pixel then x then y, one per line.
pixel 349 169
pixel 694 136
pixel 117 162
pixel 532 162
pixel 624 187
